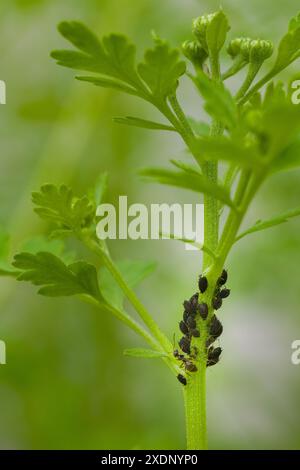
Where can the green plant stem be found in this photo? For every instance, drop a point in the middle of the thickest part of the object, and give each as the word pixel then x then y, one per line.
pixel 137 328
pixel 195 392
pixel 237 65
pixel 195 410
pixel 124 318
pixel 253 70
pixel 129 293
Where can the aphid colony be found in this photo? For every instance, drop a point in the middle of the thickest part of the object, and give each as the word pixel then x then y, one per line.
pixel 194 309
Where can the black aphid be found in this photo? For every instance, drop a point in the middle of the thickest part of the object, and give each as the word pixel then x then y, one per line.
pixel 224 293
pixel 216 327
pixel 181 379
pixel 203 310
pixel 191 322
pixel 213 356
pixel 194 300
pixel 183 328
pixel 185 344
pixel 185 316
pixel 214 353
pixel 178 356
pixel 210 341
pixel 189 307
pixel 190 366
pixel 202 284
pixel 216 303
pixel 223 278
pixel 195 333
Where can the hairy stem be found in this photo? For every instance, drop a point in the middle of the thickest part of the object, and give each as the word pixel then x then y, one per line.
pixel 195 409
pixel 195 392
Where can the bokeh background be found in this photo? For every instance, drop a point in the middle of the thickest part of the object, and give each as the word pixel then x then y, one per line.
pixel 66 384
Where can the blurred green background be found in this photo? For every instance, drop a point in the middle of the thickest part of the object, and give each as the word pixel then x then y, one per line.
pixel 66 384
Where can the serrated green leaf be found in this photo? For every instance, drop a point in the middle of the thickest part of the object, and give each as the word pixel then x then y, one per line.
pixel 193 182
pixel 145 124
pixel 219 103
pixel 263 225
pixel 144 353
pixel 133 273
pixel 114 57
pixel 161 69
pixel 56 278
pixel 216 32
pixel 58 205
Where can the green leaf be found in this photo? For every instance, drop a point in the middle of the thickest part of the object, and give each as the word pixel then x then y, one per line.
pixel 58 279
pixel 133 273
pixel 219 103
pixel 190 169
pixel 113 57
pixel 216 32
pixel 193 182
pixel 144 353
pixel 161 69
pixel 224 148
pixel 263 225
pixel 108 83
pixel 58 205
pixel 289 47
pixel 137 122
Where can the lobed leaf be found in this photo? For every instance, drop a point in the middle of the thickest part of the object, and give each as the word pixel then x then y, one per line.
pixel 113 57
pixel 161 69
pixel 58 205
pixel 56 278
pixel 219 103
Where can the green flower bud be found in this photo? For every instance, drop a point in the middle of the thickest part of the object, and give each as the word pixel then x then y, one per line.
pixel 239 46
pixel 199 29
pixel 260 50
pixel 253 50
pixel 194 52
pixel 211 30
